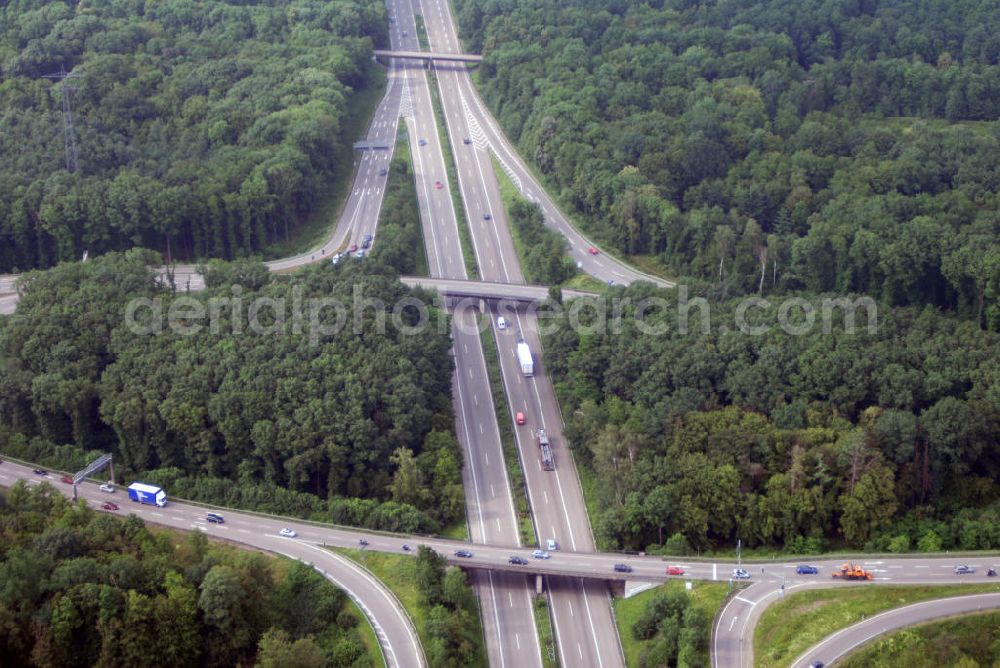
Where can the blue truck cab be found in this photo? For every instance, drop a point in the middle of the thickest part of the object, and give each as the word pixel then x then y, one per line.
pixel 152 495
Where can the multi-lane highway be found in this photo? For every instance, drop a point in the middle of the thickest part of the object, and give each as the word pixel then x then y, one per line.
pixel 505 598
pixel 583 622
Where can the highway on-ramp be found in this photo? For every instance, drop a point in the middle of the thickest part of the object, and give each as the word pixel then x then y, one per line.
pixel 845 641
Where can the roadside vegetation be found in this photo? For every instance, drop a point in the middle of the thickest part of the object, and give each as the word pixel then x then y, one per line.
pixel 765 146
pixel 668 625
pixel 543 253
pixel 969 641
pixel 793 625
pixel 78 587
pixel 400 235
pixel 204 130
pixel 353 426
pixel 439 600
pixel 801 442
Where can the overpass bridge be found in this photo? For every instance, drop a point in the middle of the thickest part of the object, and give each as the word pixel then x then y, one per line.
pixel 430 55
pixel 449 287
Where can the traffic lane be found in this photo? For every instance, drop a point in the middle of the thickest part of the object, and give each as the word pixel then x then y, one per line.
pixel 480 191
pixel 562 506
pixel 8 304
pixel 507 612
pixel 562 562
pixel 493 518
pixel 847 640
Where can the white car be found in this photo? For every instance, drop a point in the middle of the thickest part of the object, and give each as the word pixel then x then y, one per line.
pixel 107 487
pixel 551 544
pixel 741 574
pixel 540 554
pixel 501 322
pixel 288 533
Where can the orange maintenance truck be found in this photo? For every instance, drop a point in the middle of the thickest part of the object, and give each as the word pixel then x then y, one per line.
pixel 852 572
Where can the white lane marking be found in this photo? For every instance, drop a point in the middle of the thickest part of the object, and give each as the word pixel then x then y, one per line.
pixel 510 597
pixel 480 427
pixel 493 492
pixel 475 399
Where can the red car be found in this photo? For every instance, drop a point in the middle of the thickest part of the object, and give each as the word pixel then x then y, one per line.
pixel 593 250
pixel 438 185
pixel 675 570
pixel 107 505
pixel 67 479
pixel 519 418
pixel 353 248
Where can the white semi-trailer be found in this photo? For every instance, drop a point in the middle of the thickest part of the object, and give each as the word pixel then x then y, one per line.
pixel 524 357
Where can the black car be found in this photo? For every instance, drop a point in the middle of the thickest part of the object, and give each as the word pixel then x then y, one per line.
pixel 383 171
pixel 40 472
pixel 215 518
pixel 623 568
pixel 517 561
pixel 487 216
pixel 465 554
pixel 466 141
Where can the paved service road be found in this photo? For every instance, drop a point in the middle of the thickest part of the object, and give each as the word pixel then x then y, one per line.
pixel 400 644
pixel 847 640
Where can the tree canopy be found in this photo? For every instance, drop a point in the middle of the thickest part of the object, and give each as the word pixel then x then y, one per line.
pixel 772 145
pixel 203 129
pixel 780 438
pixel 80 588
pixel 355 425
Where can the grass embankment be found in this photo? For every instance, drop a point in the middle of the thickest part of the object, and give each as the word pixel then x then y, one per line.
pixel 789 627
pixel 706 595
pixel 399 574
pixel 315 229
pixel 969 640
pixel 510 453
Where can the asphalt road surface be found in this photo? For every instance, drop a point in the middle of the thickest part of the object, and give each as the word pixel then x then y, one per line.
pixel 583 622
pixel 506 598
pixel 847 640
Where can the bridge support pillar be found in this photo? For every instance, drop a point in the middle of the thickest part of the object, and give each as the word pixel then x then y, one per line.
pixel 539 585
pixel 482 305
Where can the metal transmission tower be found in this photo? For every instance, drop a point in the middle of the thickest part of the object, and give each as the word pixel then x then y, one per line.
pixel 69 135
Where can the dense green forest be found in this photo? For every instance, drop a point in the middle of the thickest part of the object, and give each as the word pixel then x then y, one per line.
pixel 883 439
pixel 353 426
pixel 81 588
pixel 203 129
pixel 766 145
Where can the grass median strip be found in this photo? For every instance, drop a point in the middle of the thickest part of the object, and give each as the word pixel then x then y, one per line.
pixel 790 627
pixel 400 243
pixel 543 620
pixel 461 215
